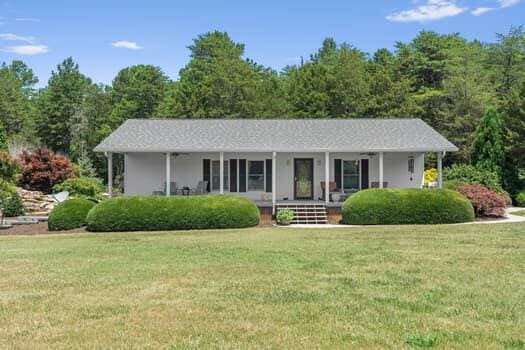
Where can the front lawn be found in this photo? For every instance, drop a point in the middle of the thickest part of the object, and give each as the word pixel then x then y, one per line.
pixel 519 212
pixel 379 287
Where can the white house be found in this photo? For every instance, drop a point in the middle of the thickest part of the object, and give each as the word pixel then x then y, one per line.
pixel 275 160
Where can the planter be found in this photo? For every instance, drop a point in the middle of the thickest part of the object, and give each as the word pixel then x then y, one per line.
pixel 285 222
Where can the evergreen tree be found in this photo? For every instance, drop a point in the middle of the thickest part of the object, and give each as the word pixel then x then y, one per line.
pixel 137 91
pixel 16 112
pixel 4 147
pixel 487 149
pixel 59 103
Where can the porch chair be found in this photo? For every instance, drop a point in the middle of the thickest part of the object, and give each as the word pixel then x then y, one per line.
pixel 332 188
pixel 200 189
pixel 173 188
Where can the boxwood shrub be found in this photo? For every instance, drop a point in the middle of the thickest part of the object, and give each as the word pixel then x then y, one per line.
pixel 406 206
pixel 153 213
pixel 69 214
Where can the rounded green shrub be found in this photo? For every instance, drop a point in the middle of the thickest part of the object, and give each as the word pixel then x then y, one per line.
pixel 69 214
pixel 520 199
pixel 81 187
pixel 13 205
pixel 153 213
pixel 472 174
pixel 407 206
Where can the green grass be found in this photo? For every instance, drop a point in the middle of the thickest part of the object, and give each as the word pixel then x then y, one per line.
pixel 441 287
pixel 519 212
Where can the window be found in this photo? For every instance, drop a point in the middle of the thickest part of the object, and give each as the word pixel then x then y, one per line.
pixel 256 175
pixel 215 175
pixel 351 175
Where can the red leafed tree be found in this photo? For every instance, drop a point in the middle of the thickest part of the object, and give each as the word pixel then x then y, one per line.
pixel 43 168
pixel 484 201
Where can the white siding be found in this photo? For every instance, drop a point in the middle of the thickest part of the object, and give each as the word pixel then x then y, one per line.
pixel 146 172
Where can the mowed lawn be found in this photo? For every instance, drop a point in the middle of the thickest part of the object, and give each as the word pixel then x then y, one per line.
pixel 460 286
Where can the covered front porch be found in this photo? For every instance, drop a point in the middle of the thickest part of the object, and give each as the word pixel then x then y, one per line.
pixel 270 178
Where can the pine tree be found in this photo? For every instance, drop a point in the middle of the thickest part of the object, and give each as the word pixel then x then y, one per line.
pixel 3 139
pixel 487 150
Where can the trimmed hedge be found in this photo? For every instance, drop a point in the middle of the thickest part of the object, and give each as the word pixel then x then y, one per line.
pixel 406 206
pixel 153 213
pixel 69 214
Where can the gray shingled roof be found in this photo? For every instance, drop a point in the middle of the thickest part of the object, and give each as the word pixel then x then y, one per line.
pixel 280 135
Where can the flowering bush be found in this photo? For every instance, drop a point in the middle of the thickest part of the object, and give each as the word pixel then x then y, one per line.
pixel 431 175
pixel 42 169
pixel 484 201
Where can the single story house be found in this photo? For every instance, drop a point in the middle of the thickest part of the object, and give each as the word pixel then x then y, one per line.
pixel 273 161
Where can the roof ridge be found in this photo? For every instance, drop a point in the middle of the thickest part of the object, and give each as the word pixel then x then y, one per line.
pixel 270 119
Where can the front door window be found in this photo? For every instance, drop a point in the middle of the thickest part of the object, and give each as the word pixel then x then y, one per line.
pixel 303 169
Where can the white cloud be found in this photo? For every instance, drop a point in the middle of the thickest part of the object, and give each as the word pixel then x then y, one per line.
pixel 482 10
pixel 430 11
pixel 27 50
pixel 14 37
pixel 27 19
pixel 125 44
pixel 508 3
pixel 502 4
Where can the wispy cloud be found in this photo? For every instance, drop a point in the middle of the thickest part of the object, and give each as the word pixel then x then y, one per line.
pixel 29 46
pixel 27 19
pixel 430 11
pixel 14 37
pixel 502 4
pixel 508 3
pixel 27 50
pixel 125 44
pixel 482 10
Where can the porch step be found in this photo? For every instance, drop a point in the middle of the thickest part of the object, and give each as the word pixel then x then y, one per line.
pixel 306 213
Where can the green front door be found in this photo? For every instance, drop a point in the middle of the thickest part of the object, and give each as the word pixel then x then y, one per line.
pixel 304 178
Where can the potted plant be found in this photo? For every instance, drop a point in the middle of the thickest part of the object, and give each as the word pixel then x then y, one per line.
pixel 285 216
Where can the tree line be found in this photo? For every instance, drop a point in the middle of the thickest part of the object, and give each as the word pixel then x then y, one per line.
pixel 446 80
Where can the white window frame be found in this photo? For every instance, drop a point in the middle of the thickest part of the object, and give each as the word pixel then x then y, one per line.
pixel 226 175
pixel 343 173
pixel 248 175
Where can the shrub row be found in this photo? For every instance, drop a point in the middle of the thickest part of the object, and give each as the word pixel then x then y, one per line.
pixel 148 213
pixel 69 214
pixel 406 206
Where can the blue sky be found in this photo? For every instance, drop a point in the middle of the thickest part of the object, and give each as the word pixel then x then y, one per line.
pixel 106 36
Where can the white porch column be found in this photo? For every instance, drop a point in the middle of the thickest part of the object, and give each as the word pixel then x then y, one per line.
pixel 168 174
pixel 274 181
pixel 221 172
pixel 109 155
pixel 440 169
pixel 380 169
pixel 327 177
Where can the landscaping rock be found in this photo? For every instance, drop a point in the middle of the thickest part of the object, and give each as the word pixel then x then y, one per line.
pixel 35 202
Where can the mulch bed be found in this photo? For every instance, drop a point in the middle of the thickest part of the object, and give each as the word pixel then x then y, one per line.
pixel 34 229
